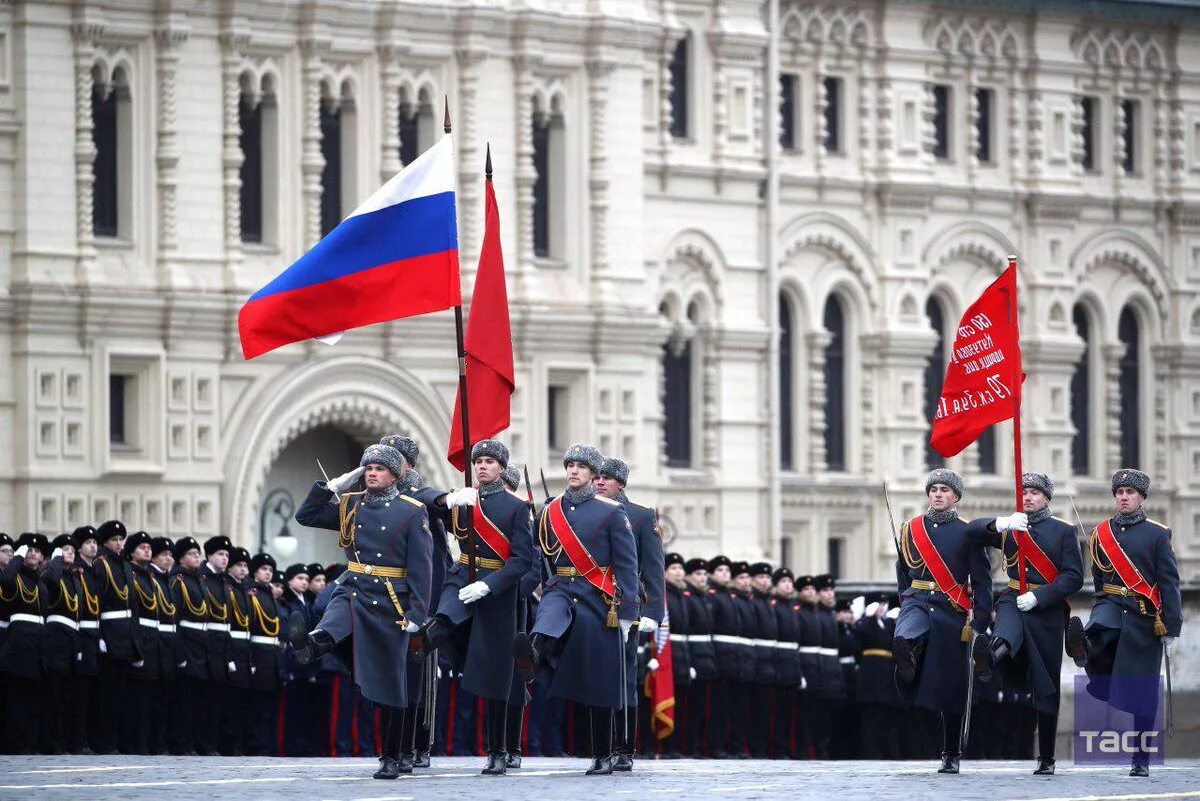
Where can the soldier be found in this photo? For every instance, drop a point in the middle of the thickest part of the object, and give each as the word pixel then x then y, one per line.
pixel 589 605
pixel 384 596
pixel 237 695
pixel 814 724
pixel 703 658
pixel 316 580
pixel 519 695
pixel 677 594
pixel 23 584
pixel 60 645
pixel 766 639
pixel 1137 612
pixel 302 697
pixel 938 562
pixel 739 720
pixel 144 673
pixel 844 728
pixel 476 619
pixel 191 656
pixel 265 644
pixel 83 717
pixel 787 661
pixel 877 696
pixel 118 647
pixel 162 560
pixel 1027 634
pixel 727 638
pixel 216 640
pixel 611 483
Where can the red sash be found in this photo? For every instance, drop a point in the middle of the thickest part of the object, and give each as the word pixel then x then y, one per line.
pixel 937 566
pixel 1125 568
pixel 579 556
pixel 490 534
pixel 1036 556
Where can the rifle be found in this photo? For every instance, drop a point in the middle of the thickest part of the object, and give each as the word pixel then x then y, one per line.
pixel 533 512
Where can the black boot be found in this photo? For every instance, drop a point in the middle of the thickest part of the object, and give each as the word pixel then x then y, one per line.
pixel 1140 770
pixel 949 762
pixel 1076 641
pixel 514 723
pixel 1045 767
pixel 421 759
pixel 496 764
pixel 525 657
pixel 389 766
pixel 601 736
pixel 981 654
pixel 316 645
pixel 906 653
pixel 623 748
pixel 497 714
pixel 407 725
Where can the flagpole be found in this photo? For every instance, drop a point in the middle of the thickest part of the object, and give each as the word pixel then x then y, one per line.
pixel 1012 314
pixel 462 389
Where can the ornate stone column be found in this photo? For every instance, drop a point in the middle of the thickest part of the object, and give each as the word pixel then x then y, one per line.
pixel 232 43
pixel 523 62
pixel 470 156
pixel 389 82
pixel 169 37
pixel 85 32
pixel 818 342
pixel 600 67
pixel 1112 354
pixel 311 160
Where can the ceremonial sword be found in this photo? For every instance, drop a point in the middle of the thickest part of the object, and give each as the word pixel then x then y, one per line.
pixel 966 724
pixel 331 489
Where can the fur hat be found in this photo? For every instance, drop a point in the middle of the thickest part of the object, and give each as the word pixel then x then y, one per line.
pixel 5 540
pixel 61 541
pixel 36 542
pixel 315 569
pixel 824 582
pixel 133 541
pixel 616 469
pixel 183 545
pixel 805 581
pixel 948 477
pixel 295 570
pixel 334 571
pixel 694 564
pixel 780 574
pixel 672 559
pixel 493 448
pixel 719 561
pixel 1038 481
pixel 160 544
pixel 585 454
pixel 261 559
pixel 738 568
pixel 760 569
pixel 1134 479
pixel 239 554
pixel 82 534
pixel 110 529
pixel 385 455
pixel 511 476
pixel 406 445
pixel 218 543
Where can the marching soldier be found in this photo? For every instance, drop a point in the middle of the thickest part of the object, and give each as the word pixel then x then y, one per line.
pixel 237 697
pixel 677 593
pixel 145 672
pixel 814 724
pixel 216 640
pixel 611 483
pixel 118 647
pixel 384 595
pixel 590 604
pixel 877 696
pixel 22 584
pixel 60 645
pixel 766 640
pixel 265 647
pixel 787 661
pixel 1027 633
pixel 941 576
pixel 703 669
pixel 519 695
pixel 477 615
pixel 191 656
pixel 1136 616
pixel 79 729
pixel 162 560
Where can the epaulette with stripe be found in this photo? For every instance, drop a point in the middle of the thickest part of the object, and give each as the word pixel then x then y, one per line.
pixel 609 501
pixel 1163 526
pixel 1060 520
pixel 412 500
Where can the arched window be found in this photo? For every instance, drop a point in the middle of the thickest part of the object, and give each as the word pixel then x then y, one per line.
pixel 548 189
pixel 111 132
pixel 787 459
pixel 835 377
pixel 677 397
pixel 1129 383
pixel 679 69
pixel 1081 406
pixel 935 375
pixel 417 126
pixel 257 127
pixel 337 142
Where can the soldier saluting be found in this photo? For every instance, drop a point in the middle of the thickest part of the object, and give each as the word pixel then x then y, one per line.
pixel 1029 625
pixel 1136 615
pixel 589 605
pixel 383 596
pixel 941 576
pixel 481 615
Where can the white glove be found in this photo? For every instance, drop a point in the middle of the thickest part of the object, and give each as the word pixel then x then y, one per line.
pixel 1168 646
pixel 183 664
pixel 57 553
pixel 24 549
pixel 103 647
pixel 467 496
pixel 345 481
pixel 233 667
pixel 871 609
pixel 803 683
pixel 139 663
pixel 893 613
pixel 691 673
pixel 439 671
pixel 652 665
pixel 411 628
pixel 474 592
pixel 253 669
pixel 1026 601
pixel 1017 521
pixel 647 625
pixel 626 627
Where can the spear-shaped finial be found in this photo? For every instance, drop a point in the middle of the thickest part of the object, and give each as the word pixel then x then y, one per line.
pixel 487 168
pixel 446 121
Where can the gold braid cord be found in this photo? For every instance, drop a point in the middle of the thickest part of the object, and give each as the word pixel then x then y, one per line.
pixel 69 600
pixel 403 621
pixel 268 624
pixel 92 601
pixel 149 602
pixel 242 620
pixel 346 518
pixel 122 594
pixel 1098 554
pixel 913 562
pixel 454 526
pixel 543 537
pixel 198 611
pixel 166 606
pixel 28 596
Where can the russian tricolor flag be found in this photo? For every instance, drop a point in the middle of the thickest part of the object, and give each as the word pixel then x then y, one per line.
pixel 395 256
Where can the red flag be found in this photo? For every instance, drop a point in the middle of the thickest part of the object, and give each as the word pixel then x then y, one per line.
pixel 983 379
pixel 488 342
pixel 660 686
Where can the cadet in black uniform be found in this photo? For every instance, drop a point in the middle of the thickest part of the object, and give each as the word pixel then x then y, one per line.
pixel 938 564
pixel 766 637
pixel 1137 614
pixel 216 640
pixel 237 695
pixel 162 560
pixel 702 658
pixel 22 583
pixel 1027 634
pixel 677 592
pixel 728 695
pixel 814 723
pixel 787 662
pixel 118 646
pixel 844 725
pixel 876 686
pixel 145 672
pixel 83 717
pixel 191 652
pixel 60 647
pixel 265 646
